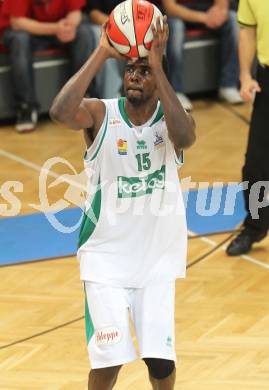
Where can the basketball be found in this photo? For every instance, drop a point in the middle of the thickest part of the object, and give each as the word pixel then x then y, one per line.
pixel 129 27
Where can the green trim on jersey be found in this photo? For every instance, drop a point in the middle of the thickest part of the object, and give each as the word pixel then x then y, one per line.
pixel 124 115
pixel 104 125
pixel 88 321
pixel 91 217
pixel 179 160
pixel 123 112
pixel 158 116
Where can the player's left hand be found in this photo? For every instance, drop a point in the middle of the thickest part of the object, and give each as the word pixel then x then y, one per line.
pixel 160 37
pixel 104 43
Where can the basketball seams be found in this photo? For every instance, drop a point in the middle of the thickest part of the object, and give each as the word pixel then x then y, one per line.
pixel 129 28
pixel 125 27
pixel 147 45
pixel 148 36
pixel 143 13
pixel 149 29
pixel 134 26
pixel 122 38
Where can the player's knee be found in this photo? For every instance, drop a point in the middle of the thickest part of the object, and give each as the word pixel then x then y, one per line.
pixel 105 375
pixel 159 368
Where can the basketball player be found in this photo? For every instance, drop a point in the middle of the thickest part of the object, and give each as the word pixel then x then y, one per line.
pixel 129 259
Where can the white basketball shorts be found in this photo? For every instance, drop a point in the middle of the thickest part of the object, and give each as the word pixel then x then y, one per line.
pixel 108 311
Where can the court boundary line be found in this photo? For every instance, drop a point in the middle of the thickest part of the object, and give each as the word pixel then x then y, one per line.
pixel 221 245
pixel 193 263
pixel 213 250
pixel 38 168
pixel 41 333
pixel 82 317
pixel 234 112
pixel 26 262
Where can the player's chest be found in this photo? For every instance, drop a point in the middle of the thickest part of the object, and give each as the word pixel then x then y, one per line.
pixel 135 150
pixel 124 140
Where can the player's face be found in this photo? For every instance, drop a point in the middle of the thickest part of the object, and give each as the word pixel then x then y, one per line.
pixel 139 83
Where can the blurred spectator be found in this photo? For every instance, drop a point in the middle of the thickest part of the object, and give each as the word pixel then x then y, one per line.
pixel 4 20
pixel 38 25
pixel 109 80
pixel 234 4
pixel 214 15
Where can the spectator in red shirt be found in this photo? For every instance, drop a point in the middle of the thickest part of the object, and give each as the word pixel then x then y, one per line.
pixel 38 25
pixel 215 15
pixel 4 22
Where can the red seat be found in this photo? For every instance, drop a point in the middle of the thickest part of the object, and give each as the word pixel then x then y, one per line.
pixel 55 51
pixel 197 32
pixel 3 50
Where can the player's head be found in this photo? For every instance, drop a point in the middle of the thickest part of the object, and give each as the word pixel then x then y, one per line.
pixel 139 81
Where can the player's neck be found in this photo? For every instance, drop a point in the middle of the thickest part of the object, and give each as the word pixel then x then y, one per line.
pixel 139 115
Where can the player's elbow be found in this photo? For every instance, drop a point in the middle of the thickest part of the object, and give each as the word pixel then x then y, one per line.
pixel 186 141
pixel 56 114
pixel 58 111
pixel 191 135
pixel 190 140
pixel 187 138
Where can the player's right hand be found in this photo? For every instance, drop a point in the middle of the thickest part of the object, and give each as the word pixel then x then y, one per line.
pixel 248 88
pixel 104 43
pixel 160 37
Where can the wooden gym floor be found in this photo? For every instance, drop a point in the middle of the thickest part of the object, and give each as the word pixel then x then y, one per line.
pixel 222 307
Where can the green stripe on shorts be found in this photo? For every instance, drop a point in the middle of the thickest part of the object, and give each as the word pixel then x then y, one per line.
pixel 88 321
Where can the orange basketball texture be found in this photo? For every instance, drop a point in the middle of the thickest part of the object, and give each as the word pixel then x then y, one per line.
pixel 129 27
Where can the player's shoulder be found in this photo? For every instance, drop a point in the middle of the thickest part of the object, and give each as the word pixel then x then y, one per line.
pixel 113 106
pixel 112 102
pixel 95 107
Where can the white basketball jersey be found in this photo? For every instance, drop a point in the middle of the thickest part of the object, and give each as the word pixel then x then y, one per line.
pixel 134 227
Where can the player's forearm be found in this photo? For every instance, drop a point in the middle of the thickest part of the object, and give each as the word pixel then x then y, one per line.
pixel 74 17
pixel 66 103
pixel 179 11
pixel 247 51
pixel 180 125
pixel 33 27
pixel 98 17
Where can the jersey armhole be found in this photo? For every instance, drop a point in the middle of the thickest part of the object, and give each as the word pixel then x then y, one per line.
pixel 92 152
pixel 179 159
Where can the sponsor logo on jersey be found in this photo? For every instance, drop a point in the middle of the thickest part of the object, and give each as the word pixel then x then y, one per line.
pixel 114 122
pixel 107 336
pixel 131 187
pixel 141 145
pixel 158 141
pixel 122 147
